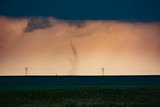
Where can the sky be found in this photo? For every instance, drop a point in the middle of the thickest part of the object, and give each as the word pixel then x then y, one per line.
pixel 80 37
pixel 132 10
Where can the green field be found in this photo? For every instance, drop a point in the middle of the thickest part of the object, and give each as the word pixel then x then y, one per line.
pixel 80 97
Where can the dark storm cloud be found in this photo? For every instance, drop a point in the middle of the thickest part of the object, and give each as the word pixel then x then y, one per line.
pixel 77 23
pixel 35 23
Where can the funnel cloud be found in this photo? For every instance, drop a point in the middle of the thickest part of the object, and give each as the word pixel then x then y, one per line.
pixel 74 60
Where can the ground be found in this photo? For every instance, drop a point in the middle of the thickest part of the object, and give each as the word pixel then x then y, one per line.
pixel 80 97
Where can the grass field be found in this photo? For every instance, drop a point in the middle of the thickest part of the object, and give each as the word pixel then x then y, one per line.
pixel 80 97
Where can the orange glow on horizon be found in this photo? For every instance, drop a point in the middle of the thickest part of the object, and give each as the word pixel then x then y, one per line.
pixel 121 48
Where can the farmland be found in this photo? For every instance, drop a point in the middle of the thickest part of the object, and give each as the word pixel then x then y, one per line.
pixel 80 97
pixel 79 91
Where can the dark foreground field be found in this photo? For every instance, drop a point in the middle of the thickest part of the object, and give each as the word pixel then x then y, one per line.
pixel 79 91
pixel 80 97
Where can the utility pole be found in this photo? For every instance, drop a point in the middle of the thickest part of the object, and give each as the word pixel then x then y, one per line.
pixel 102 71
pixel 26 71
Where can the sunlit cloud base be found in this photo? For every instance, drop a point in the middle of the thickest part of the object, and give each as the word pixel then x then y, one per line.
pixel 48 46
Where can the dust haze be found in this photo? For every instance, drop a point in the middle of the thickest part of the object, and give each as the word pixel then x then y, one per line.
pixel 49 46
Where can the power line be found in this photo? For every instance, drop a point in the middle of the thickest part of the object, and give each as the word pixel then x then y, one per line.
pixel 102 71
pixel 26 71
